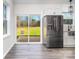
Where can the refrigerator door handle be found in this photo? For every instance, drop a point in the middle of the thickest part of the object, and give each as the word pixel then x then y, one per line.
pixel 54 25
pixel 57 25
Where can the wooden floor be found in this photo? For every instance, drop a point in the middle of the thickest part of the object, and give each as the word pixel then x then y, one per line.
pixel 40 52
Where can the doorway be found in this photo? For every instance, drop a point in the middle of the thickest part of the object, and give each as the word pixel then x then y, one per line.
pixel 28 28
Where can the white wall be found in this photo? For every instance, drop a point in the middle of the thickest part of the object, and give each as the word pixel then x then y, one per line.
pixel 42 9
pixel 25 9
pixel 9 41
pixel 36 8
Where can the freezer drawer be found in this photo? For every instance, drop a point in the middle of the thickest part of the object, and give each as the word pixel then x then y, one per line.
pixel 55 42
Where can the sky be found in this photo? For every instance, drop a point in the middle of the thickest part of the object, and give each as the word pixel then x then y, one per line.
pixel 36 17
pixel 23 18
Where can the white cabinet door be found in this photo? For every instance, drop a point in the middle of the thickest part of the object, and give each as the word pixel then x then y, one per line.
pixel 69 41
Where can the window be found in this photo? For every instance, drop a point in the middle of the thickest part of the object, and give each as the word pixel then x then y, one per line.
pixel 6 16
pixel 67 18
pixel 4 19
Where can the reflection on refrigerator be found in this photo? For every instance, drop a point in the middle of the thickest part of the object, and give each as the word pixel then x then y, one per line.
pixel 53 31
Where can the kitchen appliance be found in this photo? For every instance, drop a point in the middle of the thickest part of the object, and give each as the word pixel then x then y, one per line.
pixel 53 31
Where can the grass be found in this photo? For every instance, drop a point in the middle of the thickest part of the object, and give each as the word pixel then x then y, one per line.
pixel 32 31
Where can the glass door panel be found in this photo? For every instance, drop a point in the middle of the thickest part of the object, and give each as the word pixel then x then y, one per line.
pixel 22 28
pixel 34 29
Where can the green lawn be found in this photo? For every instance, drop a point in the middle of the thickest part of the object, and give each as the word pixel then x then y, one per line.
pixel 32 30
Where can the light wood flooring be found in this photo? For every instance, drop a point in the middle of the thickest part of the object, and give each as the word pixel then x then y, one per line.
pixel 39 52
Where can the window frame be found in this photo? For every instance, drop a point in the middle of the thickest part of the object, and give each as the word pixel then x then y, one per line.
pixel 7 18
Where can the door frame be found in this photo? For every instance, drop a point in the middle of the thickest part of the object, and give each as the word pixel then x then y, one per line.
pixel 28 26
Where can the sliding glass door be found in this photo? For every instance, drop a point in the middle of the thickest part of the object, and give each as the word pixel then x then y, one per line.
pixel 22 28
pixel 28 28
pixel 34 29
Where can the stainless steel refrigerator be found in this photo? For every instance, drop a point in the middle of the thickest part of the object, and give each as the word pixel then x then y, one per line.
pixel 53 31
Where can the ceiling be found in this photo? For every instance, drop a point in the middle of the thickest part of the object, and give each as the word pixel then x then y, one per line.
pixel 42 1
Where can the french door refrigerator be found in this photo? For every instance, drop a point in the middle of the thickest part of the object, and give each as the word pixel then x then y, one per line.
pixel 53 31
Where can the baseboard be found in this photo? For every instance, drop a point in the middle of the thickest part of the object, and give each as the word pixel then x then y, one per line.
pixel 69 45
pixel 8 50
